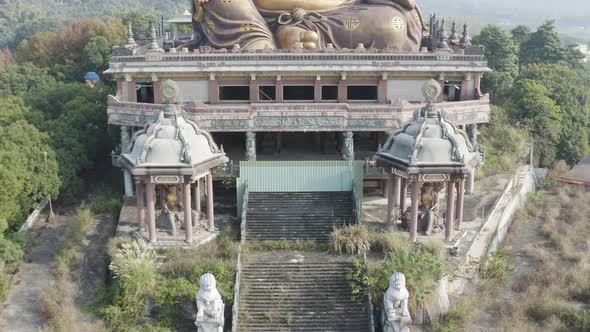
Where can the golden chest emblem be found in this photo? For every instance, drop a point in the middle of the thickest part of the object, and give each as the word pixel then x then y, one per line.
pixel 398 24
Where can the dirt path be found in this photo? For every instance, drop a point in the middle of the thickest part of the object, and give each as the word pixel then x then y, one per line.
pixel 21 311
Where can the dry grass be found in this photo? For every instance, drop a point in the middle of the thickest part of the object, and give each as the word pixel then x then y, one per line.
pixel 392 242
pixel 57 302
pixel 551 295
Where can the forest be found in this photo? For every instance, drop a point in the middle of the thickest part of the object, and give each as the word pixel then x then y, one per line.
pixel 56 142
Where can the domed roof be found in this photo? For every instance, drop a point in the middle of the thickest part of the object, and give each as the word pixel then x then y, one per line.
pixel 429 143
pixel 172 145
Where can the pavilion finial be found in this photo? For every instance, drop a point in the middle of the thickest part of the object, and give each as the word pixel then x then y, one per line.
pixel 443 41
pixel 454 35
pixel 466 39
pixel 130 39
pixel 153 39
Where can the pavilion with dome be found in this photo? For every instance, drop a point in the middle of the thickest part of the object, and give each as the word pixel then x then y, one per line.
pixel 427 154
pixel 172 153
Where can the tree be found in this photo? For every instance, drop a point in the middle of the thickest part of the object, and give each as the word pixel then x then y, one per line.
pixel 545 47
pixel 20 80
pixel 533 109
pixel 521 34
pixel 28 165
pixel 567 88
pixel 66 51
pixel 74 116
pixel 502 54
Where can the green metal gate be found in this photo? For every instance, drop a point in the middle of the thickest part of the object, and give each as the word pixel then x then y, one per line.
pixel 301 176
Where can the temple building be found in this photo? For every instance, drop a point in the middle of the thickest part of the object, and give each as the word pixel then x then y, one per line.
pixel 298 85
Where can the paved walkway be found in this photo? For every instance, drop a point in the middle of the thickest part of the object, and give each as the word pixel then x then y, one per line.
pixel 22 311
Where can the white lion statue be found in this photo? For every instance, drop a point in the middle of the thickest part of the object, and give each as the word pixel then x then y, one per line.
pixel 210 307
pixel 396 316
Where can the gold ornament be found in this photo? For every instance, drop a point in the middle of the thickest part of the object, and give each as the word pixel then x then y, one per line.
pixel 352 23
pixel 399 24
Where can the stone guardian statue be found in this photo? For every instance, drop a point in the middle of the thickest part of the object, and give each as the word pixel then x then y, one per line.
pixel 210 307
pixel 396 316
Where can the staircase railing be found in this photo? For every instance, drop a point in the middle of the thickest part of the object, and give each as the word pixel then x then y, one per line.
pixel 369 302
pixel 236 306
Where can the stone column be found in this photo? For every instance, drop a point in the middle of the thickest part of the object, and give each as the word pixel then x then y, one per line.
pixel 460 201
pixel 390 198
pixel 348 148
pixel 470 185
pixel 403 196
pixel 210 215
pixel 397 183
pixel 188 211
pixel 450 209
pixel 157 90
pixel 125 148
pixel 131 89
pixel 415 203
pixel 151 211
pixel 250 146
pixel 198 196
pixel 140 205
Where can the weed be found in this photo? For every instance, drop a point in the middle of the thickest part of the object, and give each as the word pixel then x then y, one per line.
pixel 352 240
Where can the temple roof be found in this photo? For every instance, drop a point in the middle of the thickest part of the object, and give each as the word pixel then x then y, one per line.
pixel 429 144
pixel 172 145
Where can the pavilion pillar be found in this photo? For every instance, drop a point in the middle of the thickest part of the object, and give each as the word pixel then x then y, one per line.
pixel 188 212
pixel 197 195
pixel 348 148
pixel 397 183
pixel 250 146
pixel 390 198
pixel 151 211
pixel 125 148
pixel 403 196
pixel 415 203
pixel 450 211
pixel 210 215
pixel 140 205
pixel 470 185
pixel 460 201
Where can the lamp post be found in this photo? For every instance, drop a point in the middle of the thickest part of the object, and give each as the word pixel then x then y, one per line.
pixel 51 215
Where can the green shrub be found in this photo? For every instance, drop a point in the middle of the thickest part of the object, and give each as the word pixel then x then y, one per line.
pixel 4 285
pixel 494 268
pixel 392 242
pixel 352 240
pixel 455 319
pixel 10 252
pixel 578 320
pixel 437 248
pixel 174 292
pixel 135 266
pixel 102 205
pixel 421 268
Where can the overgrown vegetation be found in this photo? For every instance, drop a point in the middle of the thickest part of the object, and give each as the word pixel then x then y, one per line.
pixel 552 292
pixel 283 245
pixel 58 301
pixel 422 270
pixel 156 293
pixel 352 239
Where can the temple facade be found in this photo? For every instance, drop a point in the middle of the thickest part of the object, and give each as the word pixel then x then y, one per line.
pixel 300 103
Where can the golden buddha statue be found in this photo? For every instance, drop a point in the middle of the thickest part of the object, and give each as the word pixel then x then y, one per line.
pixel 259 24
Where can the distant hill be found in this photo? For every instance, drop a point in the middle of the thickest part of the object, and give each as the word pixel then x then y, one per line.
pixel 572 17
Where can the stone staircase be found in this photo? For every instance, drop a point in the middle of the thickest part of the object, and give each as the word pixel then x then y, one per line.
pixel 296 216
pixel 296 291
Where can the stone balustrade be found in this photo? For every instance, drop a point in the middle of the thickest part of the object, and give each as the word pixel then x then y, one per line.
pixel 291 117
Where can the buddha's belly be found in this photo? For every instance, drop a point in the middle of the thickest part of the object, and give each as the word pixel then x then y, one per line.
pixel 288 5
